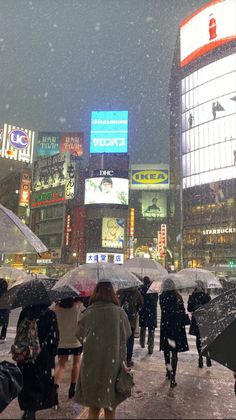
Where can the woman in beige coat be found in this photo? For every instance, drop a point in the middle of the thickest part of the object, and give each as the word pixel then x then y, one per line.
pixel 103 329
pixel 68 312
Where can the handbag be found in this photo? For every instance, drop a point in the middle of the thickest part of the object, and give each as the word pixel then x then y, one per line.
pixel 185 320
pixel 124 381
pixel 11 382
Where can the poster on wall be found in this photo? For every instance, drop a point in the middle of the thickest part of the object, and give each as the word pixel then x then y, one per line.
pixel 154 204
pixel 113 232
pixel 51 143
pixel 106 190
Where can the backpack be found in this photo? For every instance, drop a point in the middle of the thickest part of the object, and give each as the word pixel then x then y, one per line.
pixel 26 345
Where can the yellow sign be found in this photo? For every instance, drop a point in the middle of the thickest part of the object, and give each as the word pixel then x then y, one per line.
pixel 150 177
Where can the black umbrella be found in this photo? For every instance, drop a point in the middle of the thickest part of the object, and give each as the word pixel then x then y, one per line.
pixel 33 292
pixel 217 324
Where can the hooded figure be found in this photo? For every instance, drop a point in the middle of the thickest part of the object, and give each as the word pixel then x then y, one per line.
pixel 148 315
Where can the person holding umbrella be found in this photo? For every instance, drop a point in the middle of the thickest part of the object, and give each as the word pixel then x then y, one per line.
pixel 148 315
pixel 39 391
pixel 198 298
pixel 172 329
pixel 4 312
pixel 103 329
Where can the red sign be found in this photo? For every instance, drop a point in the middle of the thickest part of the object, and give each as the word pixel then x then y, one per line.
pixel 72 143
pixel 68 229
pixel 78 233
pixel 25 185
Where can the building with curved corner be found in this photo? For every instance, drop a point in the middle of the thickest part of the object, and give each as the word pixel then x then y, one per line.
pixel 203 138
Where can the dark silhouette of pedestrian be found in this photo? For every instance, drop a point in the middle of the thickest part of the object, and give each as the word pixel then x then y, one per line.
pixel 172 330
pixel 4 313
pixel 148 315
pixel 198 298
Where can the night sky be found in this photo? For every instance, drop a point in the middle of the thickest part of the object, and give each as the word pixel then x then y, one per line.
pixel 62 59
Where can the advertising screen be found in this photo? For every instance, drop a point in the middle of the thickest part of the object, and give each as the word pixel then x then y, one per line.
pixel 154 204
pixel 209 123
pixel 50 143
pixel 106 190
pixel 109 132
pixel 150 177
pixel 113 232
pixel 206 29
pixel 17 143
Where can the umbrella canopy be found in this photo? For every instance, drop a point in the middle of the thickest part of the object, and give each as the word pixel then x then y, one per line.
pixel 146 267
pixel 33 292
pixel 16 237
pixel 172 281
pixel 12 275
pixel 195 275
pixel 84 278
pixel 217 324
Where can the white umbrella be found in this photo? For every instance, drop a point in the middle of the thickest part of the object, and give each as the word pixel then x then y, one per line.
pixel 172 281
pixel 146 267
pixel 84 278
pixel 196 275
pixel 16 237
pixel 13 275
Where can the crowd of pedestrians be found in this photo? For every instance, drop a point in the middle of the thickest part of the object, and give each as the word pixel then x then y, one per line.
pixel 103 332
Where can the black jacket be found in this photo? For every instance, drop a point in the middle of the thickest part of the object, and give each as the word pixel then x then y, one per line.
pixel 148 312
pixel 195 300
pixel 131 301
pixel 172 330
pixel 38 391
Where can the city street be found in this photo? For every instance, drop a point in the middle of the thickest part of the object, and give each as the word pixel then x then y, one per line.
pixel 206 393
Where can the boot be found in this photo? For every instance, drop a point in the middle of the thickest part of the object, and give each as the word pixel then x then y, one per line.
pixel 168 374
pixel 29 414
pixel 173 383
pixel 71 392
pixel 208 362
pixel 200 362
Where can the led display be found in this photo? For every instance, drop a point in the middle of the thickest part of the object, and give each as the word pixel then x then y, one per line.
pixel 153 204
pixel 106 190
pixel 113 232
pixel 109 132
pixel 206 29
pixel 209 123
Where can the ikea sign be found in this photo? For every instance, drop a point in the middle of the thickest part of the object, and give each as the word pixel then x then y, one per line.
pixel 155 178
pixel 109 132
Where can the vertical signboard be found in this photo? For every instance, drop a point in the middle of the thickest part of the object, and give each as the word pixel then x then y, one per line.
pixel 25 186
pixel 131 233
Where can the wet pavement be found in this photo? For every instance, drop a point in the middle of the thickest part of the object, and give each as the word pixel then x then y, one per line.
pixel 206 393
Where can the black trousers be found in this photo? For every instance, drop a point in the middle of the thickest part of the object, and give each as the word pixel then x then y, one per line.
pixel 130 345
pixel 151 336
pixel 171 358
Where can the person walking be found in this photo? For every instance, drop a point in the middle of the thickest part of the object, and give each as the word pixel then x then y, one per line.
pixel 172 329
pixel 4 313
pixel 131 301
pixel 198 298
pixel 68 312
pixel 103 329
pixel 39 392
pixel 148 315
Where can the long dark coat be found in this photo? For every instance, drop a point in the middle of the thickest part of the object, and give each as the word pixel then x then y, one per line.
pixel 131 301
pixel 39 392
pixel 103 329
pixel 148 312
pixel 195 300
pixel 172 330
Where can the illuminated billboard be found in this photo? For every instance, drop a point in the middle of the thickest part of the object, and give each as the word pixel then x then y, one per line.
pixel 150 177
pixel 93 257
pixel 109 132
pixel 17 143
pixel 154 204
pixel 113 232
pixel 51 143
pixel 209 123
pixel 106 190
pixel 208 28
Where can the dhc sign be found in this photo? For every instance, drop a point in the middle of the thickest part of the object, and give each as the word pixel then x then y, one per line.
pixel 142 178
pixel 109 132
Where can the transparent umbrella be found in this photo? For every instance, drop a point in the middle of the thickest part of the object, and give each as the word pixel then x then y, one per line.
pixel 16 237
pixel 146 267
pixel 13 275
pixel 84 278
pixel 194 275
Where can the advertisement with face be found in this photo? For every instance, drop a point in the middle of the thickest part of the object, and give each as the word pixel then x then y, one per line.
pixel 154 204
pixel 109 132
pixel 106 190
pixel 113 232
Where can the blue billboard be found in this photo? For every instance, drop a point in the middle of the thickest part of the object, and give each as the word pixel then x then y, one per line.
pixel 109 132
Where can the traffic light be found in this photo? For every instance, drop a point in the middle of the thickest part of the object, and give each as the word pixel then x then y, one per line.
pixel 231 263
